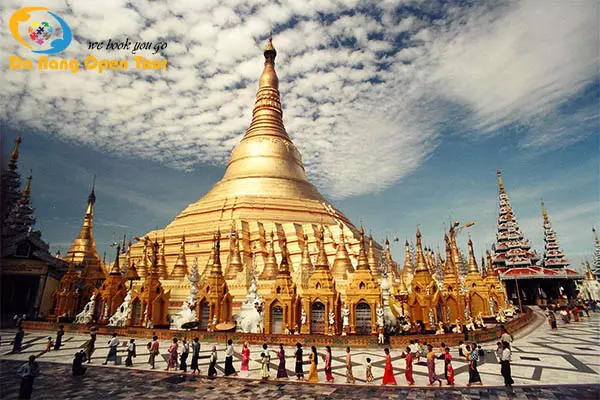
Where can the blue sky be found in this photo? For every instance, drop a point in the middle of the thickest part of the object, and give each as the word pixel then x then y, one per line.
pixel 402 112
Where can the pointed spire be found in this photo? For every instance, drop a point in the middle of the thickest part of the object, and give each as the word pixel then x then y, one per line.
pixel 421 264
pixel 180 270
pixel 449 268
pixel 490 267
pixel 211 259
pixel 116 270
pixel 284 267
pixel 341 262
pixel 553 257
pixel 306 263
pixel 363 261
pixel 14 158
pixel 27 191
pixel 372 259
pixel 270 270
pixel 161 264
pixel 235 260
pixel 589 276
pixel 483 269
pixel 322 262
pixel 215 269
pixel 545 213
pixel 473 269
pixel 500 183
pixel 142 267
pixel 124 244
pixel 92 199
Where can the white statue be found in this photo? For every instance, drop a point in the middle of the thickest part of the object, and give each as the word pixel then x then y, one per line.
pixel 250 317
pixel 106 310
pixel 431 319
pixel 332 322
pixel 85 317
pixel 123 313
pixel 303 317
pixel 345 316
pixel 492 306
pixel 389 318
pixel 456 328
pixel 479 321
pixel 188 309
pixel 470 325
pixel 501 318
pixel 379 316
pixel 440 329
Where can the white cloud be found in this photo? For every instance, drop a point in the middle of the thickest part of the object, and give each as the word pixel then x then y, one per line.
pixel 364 116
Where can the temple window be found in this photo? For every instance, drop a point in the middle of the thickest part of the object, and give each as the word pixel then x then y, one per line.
pixel 318 286
pixel 362 285
pixel 278 290
pixel 449 288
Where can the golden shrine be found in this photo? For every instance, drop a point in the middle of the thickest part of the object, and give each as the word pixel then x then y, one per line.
pixel 273 213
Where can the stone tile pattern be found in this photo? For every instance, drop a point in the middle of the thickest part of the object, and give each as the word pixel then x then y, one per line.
pixel 542 357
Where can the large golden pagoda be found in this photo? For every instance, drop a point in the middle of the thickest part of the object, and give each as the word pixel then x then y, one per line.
pixel 265 199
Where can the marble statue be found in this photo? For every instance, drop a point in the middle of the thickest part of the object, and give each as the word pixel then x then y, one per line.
pixel 456 328
pixel 479 321
pixel 332 322
pixel 379 316
pixel 440 329
pixel 501 318
pixel 431 319
pixel 85 316
pixel 345 316
pixel 470 325
pixel 250 319
pixel 389 319
pixel 303 317
pixel 123 314
pixel 492 306
pixel 188 309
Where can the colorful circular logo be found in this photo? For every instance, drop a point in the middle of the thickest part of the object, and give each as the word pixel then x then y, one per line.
pixel 47 33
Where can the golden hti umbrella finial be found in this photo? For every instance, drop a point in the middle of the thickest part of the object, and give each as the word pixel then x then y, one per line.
pixel 14 158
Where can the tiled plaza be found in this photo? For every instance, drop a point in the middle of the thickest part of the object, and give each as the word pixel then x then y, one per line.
pixel 541 358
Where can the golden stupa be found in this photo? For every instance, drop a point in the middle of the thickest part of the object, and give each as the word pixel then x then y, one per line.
pixel 263 201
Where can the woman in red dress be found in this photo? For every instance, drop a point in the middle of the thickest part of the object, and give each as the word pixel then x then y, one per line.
pixel 388 375
pixel 408 372
pixel 328 374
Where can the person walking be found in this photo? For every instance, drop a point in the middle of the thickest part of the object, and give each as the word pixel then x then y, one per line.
pixel 328 375
pixel 449 369
pixel 185 351
pixel 112 349
pixel 388 374
pixel 78 368
pixel 431 366
pixel 408 371
pixel 369 372
pixel 281 372
pixel 59 335
pixel 299 366
pixel 212 366
pixel 505 365
pixel 90 346
pixel 229 370
pixel 172 355
pixel 349 376
pixel 153 350
pixel 49 345
pixel 552 318
pixel 265 360
pixel 28 372
pixel 506 337
pixel 130 353
pixel 313 375
pixel 195 356
pixel 18 341
pixel 472 359
pixel 244 370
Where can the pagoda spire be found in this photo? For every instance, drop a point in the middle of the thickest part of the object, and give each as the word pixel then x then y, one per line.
pixel 235 259
pixel 421 264
pixel 161 263
pixel 284 267
pixel 341 263
pixel 322 262
pixel 553 257
pixel 270 270
pixel 181 269
pixel 14 157
pixel 449 268
pixel 372 259
pixel 116 270
pixel 473 268
pixel 83 250
pixel 305 262
pixel 21 219
pixel 216 269
pixel 363 261
pixel 407 269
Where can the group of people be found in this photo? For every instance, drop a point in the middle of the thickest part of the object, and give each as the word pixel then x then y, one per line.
pixel 573 312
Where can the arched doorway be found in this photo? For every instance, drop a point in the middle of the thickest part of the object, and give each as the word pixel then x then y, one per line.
pixel 477 305
pixel 363 319
pixel 277 319
pixel 204 315
pixel 317 318
pixel 136 311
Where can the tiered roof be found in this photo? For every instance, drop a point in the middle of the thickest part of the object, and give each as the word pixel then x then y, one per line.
pixel 553 255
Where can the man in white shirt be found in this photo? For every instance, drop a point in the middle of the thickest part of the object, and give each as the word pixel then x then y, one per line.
pixel 112 350
pixel 505 362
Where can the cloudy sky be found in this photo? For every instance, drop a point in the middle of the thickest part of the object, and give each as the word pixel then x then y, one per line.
pixel 402 111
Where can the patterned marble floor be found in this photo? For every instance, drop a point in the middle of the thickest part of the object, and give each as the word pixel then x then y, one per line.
pixel 541 357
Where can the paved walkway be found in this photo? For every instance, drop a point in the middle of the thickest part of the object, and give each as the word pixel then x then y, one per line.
pixel 541 358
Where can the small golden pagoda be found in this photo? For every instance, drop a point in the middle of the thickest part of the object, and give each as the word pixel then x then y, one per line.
pixel 373 264
pixel 424 297
pixel 342 265
pixel 180 270
pixel 408 268
pixel 150 302
pixel 281 304
pixel 452 297
pixel 162 263
pixel 496 288
pixel 65 300
pixel 143 263
pixel 83 250
pixel 320 298
pixel 112 292
pixel 269 272
pixel 234 265
pixel 214 300
pixel 478 296
pixel 363 294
